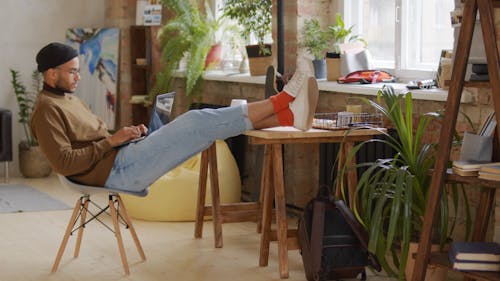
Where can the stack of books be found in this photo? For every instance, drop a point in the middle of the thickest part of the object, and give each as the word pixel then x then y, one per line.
pixel 490 171
pixel 475 256
pixel 467 168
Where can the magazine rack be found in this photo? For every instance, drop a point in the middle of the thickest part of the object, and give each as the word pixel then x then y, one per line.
pixel 424 256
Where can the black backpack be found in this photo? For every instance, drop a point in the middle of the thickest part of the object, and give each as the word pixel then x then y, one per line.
pixel 333 243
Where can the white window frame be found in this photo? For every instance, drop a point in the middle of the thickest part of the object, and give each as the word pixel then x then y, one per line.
pixel 401 68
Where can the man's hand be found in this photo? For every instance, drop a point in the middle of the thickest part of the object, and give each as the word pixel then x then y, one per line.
pixel 127 133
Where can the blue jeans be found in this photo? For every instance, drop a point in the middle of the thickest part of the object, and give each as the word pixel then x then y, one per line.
pixel 138 165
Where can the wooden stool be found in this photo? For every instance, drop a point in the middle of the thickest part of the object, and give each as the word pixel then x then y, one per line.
pixel 221 213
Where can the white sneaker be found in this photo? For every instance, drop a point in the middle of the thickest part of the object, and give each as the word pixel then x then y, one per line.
pixel 304 64
pixel 294 85
pixel 304 105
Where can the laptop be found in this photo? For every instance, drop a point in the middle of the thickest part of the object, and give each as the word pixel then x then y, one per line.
pixel 159 116
pixel 164 103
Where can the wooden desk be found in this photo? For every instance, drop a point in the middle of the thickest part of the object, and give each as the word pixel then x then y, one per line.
pixel 273 183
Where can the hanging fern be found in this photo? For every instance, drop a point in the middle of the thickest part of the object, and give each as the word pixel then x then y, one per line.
pixel 189 33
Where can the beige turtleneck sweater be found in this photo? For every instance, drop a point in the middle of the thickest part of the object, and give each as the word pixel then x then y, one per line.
pixel 72 138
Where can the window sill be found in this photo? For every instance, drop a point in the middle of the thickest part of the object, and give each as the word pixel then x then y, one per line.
pixel 329 86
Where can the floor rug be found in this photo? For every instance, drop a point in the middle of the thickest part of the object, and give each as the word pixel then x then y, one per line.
pixel 15 198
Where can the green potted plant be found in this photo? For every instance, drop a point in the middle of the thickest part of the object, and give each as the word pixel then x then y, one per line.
pixel 188 34
pixel 393 192
pixel 32 162
pixel 316 41
pixel 338 34
pixel 254 17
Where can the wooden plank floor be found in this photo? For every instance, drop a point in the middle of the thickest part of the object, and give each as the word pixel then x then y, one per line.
pixel 29 242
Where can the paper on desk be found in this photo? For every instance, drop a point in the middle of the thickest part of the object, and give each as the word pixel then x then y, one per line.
pixel 289 129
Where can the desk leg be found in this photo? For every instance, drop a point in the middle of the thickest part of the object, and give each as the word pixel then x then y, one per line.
pixel 352 175
pixel 202 190
pixel 266 167
pixel 267 196
pixel 279 201
pixel 214 188
pixel 338 188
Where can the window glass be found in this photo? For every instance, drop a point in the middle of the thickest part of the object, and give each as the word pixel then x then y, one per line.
pixel 403 35
pixel 377 27
pixel 430 21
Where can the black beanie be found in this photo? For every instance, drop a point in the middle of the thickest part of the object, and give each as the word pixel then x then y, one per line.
pixel 54 54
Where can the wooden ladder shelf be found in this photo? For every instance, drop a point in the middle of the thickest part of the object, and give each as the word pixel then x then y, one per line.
pixel 471 8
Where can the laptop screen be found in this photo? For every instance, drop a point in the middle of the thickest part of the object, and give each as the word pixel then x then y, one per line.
pixel 164 103
pixel 162 110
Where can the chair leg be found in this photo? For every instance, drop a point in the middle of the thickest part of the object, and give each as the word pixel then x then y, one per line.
pixel 114 217
pixel 66 234
pixel 82 226
pixel 131 228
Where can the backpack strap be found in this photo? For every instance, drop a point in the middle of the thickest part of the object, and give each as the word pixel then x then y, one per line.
pixel 317 232
pixel 358 230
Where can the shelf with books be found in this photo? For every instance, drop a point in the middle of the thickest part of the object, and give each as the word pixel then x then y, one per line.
pixel 454 178
pixel 490 172
pixel 477 256
pixel 471 11
pixel 441 260
pixel 144 64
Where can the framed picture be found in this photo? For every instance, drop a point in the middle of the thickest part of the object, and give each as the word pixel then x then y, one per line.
pixel 152 15
pixel 98 49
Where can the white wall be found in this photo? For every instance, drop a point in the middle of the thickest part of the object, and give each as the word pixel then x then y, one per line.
pixel 25 27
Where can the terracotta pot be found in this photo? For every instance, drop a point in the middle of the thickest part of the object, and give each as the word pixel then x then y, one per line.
pixel 214 56
pixel 258 62
pixel 32 162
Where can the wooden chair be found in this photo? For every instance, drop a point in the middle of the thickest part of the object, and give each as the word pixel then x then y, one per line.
pixel 117 211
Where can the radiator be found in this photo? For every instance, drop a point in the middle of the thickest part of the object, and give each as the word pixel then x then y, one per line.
pixel 368 153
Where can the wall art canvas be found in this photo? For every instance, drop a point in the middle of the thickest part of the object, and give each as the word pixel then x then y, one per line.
pixel 98 50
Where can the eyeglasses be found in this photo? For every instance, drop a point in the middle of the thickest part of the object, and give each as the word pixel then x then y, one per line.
pixel 73 71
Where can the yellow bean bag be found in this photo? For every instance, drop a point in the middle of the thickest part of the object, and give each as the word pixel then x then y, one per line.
pixel 173 196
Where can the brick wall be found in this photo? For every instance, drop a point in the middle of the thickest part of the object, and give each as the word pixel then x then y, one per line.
pixel 302 160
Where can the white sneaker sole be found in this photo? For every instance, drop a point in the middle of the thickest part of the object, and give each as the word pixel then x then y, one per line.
pixel 309 106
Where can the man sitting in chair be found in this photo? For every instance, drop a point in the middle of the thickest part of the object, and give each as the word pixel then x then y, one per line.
pixel 78 145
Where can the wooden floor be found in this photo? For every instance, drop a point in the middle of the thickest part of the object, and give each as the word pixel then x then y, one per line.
pixel 29 242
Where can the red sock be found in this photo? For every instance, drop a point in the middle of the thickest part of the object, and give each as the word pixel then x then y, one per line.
pixel 280 101
pixel 285 117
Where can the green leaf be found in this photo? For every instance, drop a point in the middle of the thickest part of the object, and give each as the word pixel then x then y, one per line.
pixel 393 191
pixel 25 100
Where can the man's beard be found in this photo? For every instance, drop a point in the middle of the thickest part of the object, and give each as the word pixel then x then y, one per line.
pixel 62 88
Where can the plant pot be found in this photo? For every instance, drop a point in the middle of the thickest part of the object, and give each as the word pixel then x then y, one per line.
pixel 332 66
pixel 258 62
pixel 214 56
pixel 32 162
pixel 433 273
pixel 319 68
